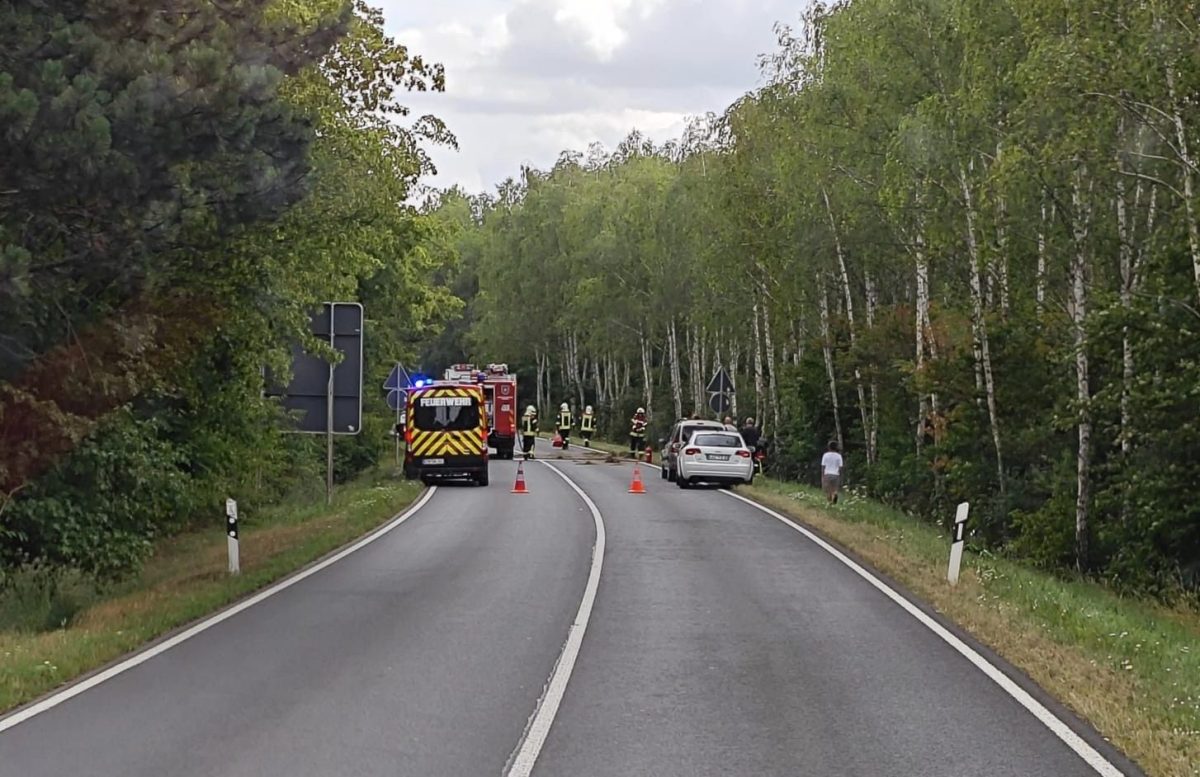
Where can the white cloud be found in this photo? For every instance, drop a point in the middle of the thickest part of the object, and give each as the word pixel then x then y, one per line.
pixel 527 79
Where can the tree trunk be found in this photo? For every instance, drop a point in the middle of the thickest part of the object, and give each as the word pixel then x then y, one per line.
pixel 1080 271
pixel 1002 279
pixel 676 381
pixel 1041 258
pixel 735 354
pixel 772 369
pixel 827 350
pixel 760 387
pixel 580 372
pixel 979 328
pixel 647 379
pixel 923 332
pixel 872 306
pixel 848 295
pixel 596 381
pixel 695 370
pixel 541 381
pixel 1188 166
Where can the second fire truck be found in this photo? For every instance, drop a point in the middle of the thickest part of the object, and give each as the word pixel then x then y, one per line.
pixel 500 396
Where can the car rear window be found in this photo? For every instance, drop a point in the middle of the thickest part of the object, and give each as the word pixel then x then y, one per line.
pixel 690 429
pixel 718 440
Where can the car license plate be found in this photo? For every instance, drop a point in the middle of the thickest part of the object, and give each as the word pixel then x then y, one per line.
pixel 435 461
pixel 717 457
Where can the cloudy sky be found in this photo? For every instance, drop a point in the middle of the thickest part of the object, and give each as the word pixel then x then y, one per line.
pixel 529 78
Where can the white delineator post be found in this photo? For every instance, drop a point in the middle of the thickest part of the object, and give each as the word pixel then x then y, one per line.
pixel 231 533
pixel 956 546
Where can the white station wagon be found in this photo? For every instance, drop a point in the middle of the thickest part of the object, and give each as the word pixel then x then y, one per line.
pixel 715 457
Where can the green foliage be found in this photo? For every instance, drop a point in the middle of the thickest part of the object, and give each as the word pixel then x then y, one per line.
pixel 179 189
pixel 102 508
pixel 882 245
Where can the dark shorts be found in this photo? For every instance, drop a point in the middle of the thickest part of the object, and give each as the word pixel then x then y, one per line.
pixel 830 484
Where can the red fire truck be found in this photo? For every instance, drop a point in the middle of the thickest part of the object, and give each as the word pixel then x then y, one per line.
pixel 500 392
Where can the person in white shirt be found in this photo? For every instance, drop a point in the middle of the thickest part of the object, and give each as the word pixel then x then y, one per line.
pixel 831 472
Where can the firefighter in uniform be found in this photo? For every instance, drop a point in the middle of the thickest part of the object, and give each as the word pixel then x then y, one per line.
pixel 587 426
pixel 565 422
pixel 529 430
pixel 637 432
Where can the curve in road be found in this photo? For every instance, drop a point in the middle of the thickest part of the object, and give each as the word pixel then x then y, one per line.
pixel 420 653
pixel 723 643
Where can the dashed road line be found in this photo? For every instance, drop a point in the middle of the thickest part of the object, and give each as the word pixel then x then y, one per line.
pixel 526 754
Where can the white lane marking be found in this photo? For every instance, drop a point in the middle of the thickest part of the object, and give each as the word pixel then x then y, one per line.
pixel 1089 754
pixel 72 691
pixel 543 718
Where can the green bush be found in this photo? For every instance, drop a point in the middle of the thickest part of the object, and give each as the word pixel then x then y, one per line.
pixel 100 510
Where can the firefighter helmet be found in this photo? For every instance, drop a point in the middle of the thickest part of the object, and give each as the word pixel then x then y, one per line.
pixel 641 411
pixel 588 409
pixel 564 407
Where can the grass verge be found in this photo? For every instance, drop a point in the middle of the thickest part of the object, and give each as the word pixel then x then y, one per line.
pixel 1129 667
pixel 186 579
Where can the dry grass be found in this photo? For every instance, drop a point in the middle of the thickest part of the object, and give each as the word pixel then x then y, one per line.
pixel 186 579
pixel 1130 668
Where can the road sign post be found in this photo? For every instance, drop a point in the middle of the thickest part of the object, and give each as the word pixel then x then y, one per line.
pixel 329 431
pixel 956 542
pixel 720 392
pixel 231 536
pixel 327 396
pixel 719 403
pixel 721 383
pixel 395 384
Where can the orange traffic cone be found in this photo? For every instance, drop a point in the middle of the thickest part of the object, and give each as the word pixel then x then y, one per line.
pixel 637 486
pixel 519 487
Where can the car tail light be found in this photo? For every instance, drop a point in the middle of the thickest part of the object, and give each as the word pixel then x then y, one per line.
pixel 691 452
pixel 744 454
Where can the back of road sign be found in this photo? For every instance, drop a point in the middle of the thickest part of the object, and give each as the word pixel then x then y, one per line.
pixel 341 325
pixel 721 383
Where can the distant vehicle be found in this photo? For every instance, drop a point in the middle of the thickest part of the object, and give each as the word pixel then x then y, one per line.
pixel 681 432
pixel 500 399
pixel 715 457
pixel 446 433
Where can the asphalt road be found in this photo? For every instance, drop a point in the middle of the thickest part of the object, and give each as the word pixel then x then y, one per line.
pixel 721 642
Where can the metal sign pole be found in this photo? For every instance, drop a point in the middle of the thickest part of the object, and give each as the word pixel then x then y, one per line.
pixel 329 412
pixel 397 427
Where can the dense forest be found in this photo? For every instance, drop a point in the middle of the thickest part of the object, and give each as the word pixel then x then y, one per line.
pixel 960 237
pixel 180 185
